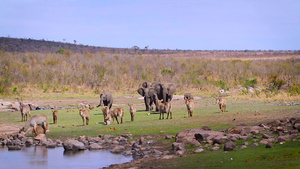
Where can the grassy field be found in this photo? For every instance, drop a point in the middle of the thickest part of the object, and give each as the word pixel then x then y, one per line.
pixel 207 113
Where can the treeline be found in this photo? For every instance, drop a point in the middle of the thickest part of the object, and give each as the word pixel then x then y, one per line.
pixel 66 71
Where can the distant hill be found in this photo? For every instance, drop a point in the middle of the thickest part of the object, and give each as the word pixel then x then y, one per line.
pixel 43 46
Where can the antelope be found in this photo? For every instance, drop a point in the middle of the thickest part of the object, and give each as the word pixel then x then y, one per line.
pixel 114 114
pixel 25 111
pixel 55 114
pixel 132 110
pixel 190 105
pixel 222 103
pixel 105 110
pixel 165 108
pixel 39 119
pixel 85 115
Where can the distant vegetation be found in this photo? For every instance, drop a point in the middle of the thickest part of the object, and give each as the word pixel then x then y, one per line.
pixel 61 67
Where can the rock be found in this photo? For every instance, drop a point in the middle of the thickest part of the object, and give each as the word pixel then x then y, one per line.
pixel 170 136
pixel 229 146
pixel 127 153
pixel 274 123
pixel 51 145
pixel 29 142
pixel 269 145
pixel 180 152
pixel 286 138
pixel 166 157
pixel 178 146
pixel 196 136
pixel 127 135
pixel 206 128
pixel 243 147
pixel 135 146
pixel 245 130
pixel 264 141
pixel 220 139
pixel 141 141
pixel 215 148
pixel 73 145
pixel 14 147
pixel 254 144
pixel 233 137
pixel 199 150
pixel 266 136
pixel 95 146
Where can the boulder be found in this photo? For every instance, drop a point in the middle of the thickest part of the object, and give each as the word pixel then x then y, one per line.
pixel 95 146
pixel 286 138
pixel 220 139
pixel 269 145
pixel 118 149
pixel 14 147
pixel 73 145
pixel 229 146
pixel 196 136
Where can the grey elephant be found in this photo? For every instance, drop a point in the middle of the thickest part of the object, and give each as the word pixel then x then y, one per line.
pixel 149 97
pixel 106 100
pixel 148 84
pixel 188 96
pixel 165 91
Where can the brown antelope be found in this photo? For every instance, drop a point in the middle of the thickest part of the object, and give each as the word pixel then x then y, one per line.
pixel 132 110
pixel 85 115
pixel 165 108
pixel 105 111
pixel 190 105
pixel 39 119
pixel 55 114
pixel 222 103
pixel 25 111
pixel 114 114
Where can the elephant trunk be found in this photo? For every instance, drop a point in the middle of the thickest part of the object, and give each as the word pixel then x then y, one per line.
pixel 101 102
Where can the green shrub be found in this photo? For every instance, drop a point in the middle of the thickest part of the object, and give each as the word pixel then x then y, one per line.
pixel 60 51
pixel 250 83
pixel 295 89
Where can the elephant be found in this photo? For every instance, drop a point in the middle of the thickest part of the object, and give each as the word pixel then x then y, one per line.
pixel 106 99
pixel 188 96
pixel 148 84
pixel 149 97
pixel 165 91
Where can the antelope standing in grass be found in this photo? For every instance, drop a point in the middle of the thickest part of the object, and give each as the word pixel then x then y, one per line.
pixel 190 105
pixel 85 115
pixel 132 109
pixel 25 111
pixel 165 108
pixel 55 114
pixel 39 119
pixel 222 103
pixel 114 114
pixel 105 111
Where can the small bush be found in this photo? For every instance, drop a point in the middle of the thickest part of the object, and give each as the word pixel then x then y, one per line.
pixel 295 89
pixel 60 51
pixel 250 83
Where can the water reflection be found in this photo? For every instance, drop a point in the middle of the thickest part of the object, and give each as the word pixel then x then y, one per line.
pixel 41 157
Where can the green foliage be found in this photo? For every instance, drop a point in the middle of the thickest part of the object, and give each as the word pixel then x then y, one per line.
pixel 221 84
pixel 15 90
pixel 64 89
pixel 250 83
pixel 60 51
pixel 275 83
pixel 169 71
pixel 294 89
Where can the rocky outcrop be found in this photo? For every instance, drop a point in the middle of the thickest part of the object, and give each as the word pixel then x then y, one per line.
pixel 73 145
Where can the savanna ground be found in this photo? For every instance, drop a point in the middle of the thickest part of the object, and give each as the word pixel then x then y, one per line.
pixel 245 110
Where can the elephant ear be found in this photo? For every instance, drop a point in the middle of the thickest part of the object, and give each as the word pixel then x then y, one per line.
pixel 141 91
pixel 158 88
pixel 152 91
pixel 145 84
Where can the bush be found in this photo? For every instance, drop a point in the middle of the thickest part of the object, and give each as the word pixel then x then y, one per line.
pixel 60 51
pixel 295 89
pixel 250 83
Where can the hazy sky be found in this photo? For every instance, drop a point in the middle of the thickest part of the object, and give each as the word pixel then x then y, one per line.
pixel 159 24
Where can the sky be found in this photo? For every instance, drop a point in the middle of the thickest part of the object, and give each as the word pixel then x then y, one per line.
pixel 158 24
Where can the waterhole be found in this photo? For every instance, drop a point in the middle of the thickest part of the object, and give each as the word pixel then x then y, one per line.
pixel 41 157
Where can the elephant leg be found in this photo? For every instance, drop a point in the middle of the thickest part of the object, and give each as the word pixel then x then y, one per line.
pixel 146 104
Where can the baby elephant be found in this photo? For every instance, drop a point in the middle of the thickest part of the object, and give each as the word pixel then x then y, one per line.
pixel 55 114
pixel 190 106
pixel 85 115
pixel 222 103
pixel 132 111
pixel 114 114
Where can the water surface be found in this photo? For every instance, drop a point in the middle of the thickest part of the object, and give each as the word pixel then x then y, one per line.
pixel 40 157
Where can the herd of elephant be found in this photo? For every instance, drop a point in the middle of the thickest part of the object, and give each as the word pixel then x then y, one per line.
pixel 160 95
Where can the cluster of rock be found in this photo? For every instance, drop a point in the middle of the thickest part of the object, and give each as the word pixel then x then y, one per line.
pixel 277 131
pixel 123 144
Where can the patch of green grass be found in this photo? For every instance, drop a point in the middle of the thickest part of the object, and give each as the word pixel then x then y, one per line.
pixel 281 156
